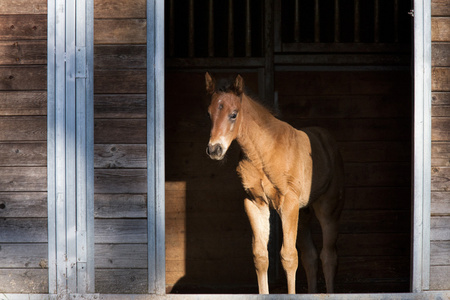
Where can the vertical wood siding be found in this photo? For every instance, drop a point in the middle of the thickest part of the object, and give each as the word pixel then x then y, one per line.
pixel 23 150
pixel 440 171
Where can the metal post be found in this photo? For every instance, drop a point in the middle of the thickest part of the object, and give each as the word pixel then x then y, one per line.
pixel 70 147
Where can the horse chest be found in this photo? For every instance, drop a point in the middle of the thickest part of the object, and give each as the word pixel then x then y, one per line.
pixel 258 185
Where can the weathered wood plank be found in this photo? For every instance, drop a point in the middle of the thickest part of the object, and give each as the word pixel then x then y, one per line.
pixel 440 179
pixel 23 230
pixel 23 52
pixel 120 231
pixel 440 253
pixel 120 206
pixel 116 9
pixel 121 256
pixel 23 154
pixel 20 256
pixel 23 103
pixel 23 78
pixel 367 198
pixel 382 151
pixel 120 181
pixel 23 7
pixel 440 111
pixel 348 106
pixel 440 55
pixel 343 83
pixel 23 205
pixel 439 276
pixel 121 281
pixel 440 8
pixel 113 156
pixel 440 228
pixel 440 29
pixel 24 281
pixel 120 31
pixel 440 129
pixel 440 154
pixel 120 57
pixel 440 98
pixel 23 27
pixel 440 203
pixel 120 131
pixel 120 82
pixel 23 129
pixel 440 79
pixel 23 179
pixel 133 106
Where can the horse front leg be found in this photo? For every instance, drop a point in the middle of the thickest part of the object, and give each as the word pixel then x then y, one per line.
pixel 258 214
pixel 289 255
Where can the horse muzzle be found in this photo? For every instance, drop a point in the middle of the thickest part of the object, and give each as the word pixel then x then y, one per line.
pixel 215 151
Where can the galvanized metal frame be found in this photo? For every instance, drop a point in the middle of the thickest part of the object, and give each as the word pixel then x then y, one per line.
pixel 70 136
pixel 155 148
pixel 420 271
pixel 70 147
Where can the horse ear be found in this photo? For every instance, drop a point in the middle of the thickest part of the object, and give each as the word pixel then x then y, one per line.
pixel 210 84
pixel 239 85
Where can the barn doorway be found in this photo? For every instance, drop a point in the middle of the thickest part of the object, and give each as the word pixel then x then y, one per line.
pixel 343 65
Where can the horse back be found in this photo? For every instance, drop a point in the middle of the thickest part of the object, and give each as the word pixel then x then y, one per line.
pixel 324 153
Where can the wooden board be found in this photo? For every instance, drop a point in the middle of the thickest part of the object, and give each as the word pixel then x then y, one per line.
pixel 23 78
pixel 115 9
pixel 120 181
pixel 121 256
pixel 120 106
pixel 118 57
pixel 439 253
pixel 23 7
pixel 120 31
pixel 441 129
pixel 440 8
pixel 23 230
pixel 120 205
pixel 23 103
pixel 440 79
pixel 440 179
pixel 113 156
pixel 440 98
pixel 440 228
pixel 120 131
pixel 440 203
pixel 34 281
pixel 23 128
pixel 23 256
pixel 439 276
pixel 121 281
pixel 120 231
pixel 440 29
pixel 440 55
pixel 120 82
pixel 23 204
pixel 23 179
pixel 27 154
pixel 23 52
pixel 23 27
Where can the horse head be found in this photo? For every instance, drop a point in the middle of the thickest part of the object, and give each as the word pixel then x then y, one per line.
pixel 225 113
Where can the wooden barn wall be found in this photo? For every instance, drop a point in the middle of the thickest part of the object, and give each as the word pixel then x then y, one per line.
pixel 23 147
pixel 440 160
pixel 120 146
pixel 207 231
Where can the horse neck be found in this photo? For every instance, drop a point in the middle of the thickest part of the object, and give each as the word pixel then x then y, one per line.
pixel 256 135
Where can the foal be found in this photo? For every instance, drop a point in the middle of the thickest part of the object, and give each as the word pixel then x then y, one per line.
pixel 294 172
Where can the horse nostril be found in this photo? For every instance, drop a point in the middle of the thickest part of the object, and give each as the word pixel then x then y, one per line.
pixel 207 150
pixel 219 150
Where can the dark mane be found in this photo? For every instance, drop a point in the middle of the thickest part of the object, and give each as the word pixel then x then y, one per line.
pixel 226 85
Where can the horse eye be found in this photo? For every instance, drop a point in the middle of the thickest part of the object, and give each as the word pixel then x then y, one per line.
pixel 233 116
